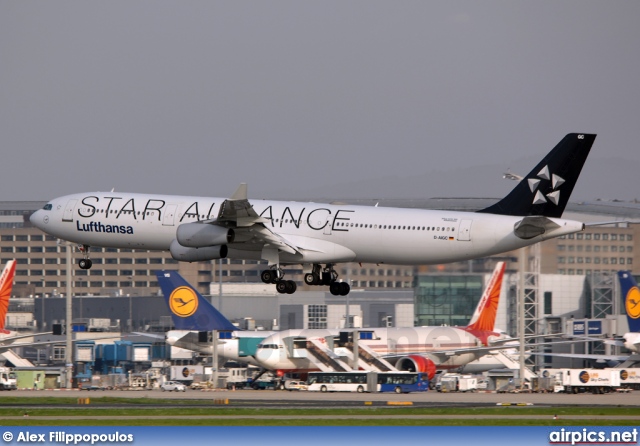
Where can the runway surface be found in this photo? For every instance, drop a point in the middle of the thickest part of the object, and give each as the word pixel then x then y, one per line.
pixel 271 398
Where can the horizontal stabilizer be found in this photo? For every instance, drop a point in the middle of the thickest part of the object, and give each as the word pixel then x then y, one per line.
pixel 530 227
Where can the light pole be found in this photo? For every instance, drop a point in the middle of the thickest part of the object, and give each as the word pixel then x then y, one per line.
pixel 130 308
pixel 69 348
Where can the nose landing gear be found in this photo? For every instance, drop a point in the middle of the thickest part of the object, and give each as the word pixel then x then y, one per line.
pixel 85 262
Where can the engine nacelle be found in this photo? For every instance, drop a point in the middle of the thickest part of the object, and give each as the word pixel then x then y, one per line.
pixel 186 254
pixel 417 363
pixel 198 235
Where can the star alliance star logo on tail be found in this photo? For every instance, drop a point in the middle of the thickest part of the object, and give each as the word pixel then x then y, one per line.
pixel 556 182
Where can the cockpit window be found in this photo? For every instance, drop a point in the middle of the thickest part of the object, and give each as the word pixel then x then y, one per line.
pixel 48 207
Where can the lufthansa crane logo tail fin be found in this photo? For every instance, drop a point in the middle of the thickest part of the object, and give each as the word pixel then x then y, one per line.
pixel 6 285
pixel 189 310
pixel 630 299
pixel 547 188
pixel 484 318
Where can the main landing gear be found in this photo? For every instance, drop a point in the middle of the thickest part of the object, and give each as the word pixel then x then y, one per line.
pixel 327 276
pixel 275 275
pixel 85 262
pixel 319 276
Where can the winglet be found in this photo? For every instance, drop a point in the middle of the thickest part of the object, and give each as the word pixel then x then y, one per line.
pixel 189 310
pixel 6 285
pixel 240 193
pixel 630 299
pixel 484 318
pixel 547 188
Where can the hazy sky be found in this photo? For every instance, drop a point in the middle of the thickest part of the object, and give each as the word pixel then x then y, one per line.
pixel 306 99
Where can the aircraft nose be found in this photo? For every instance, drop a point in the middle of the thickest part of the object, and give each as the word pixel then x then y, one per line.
pixel 37 219
pixel 266 357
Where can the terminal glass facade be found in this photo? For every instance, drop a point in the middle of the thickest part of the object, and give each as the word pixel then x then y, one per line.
pixel 446 299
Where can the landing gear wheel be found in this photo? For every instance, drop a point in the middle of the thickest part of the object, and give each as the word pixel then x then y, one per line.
pixel 334 288
pixel 311 279
pixel 85 263
pixel 281 286
pixel 344 288
pixel 267 276
pixel 291 286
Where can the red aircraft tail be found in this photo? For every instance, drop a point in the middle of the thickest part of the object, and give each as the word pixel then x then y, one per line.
pixel 484 318
pixel 6 284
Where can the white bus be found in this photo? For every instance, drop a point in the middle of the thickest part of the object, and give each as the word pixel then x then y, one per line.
pixel 337 382
pixel 398 382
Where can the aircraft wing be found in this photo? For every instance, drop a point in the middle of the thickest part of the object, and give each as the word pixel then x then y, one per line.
pixel 446 354
pixel 584 356
pixel 238 211
pixel 9 340
pixel 149 335
pixel 483 350
pixel 5 347
pixel 251 230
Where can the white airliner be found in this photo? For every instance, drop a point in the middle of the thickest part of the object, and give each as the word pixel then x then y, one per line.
pixel 284 233
pixel 422 349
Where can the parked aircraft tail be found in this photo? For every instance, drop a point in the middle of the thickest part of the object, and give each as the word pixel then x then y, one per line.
pixel 630 299
pixel 547 188
pixel 189 310
pixel 484 318
pixel 6 285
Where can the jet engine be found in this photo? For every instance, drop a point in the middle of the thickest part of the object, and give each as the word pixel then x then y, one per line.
pixel 417 363
pixel 186 254
pixel 198 235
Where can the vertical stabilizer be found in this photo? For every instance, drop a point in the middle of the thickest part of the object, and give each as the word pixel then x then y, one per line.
pixel 189 310
pixel 484 318
pixel 6 285
pixel 547 188
pixel 630 299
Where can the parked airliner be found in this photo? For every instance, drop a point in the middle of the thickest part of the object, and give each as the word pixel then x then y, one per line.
pixel 418 349
pixel 311 234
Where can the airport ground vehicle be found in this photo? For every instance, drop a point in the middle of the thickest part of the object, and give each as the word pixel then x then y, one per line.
pixel 584 380
pixel 8 380
pixel 398 382
pixel 457 383
pixel 173 386
pixel 292 384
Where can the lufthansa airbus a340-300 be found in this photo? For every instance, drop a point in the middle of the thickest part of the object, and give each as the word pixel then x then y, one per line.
pixel 318 236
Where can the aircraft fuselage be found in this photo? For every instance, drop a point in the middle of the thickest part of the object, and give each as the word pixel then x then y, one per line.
pixel 324 232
